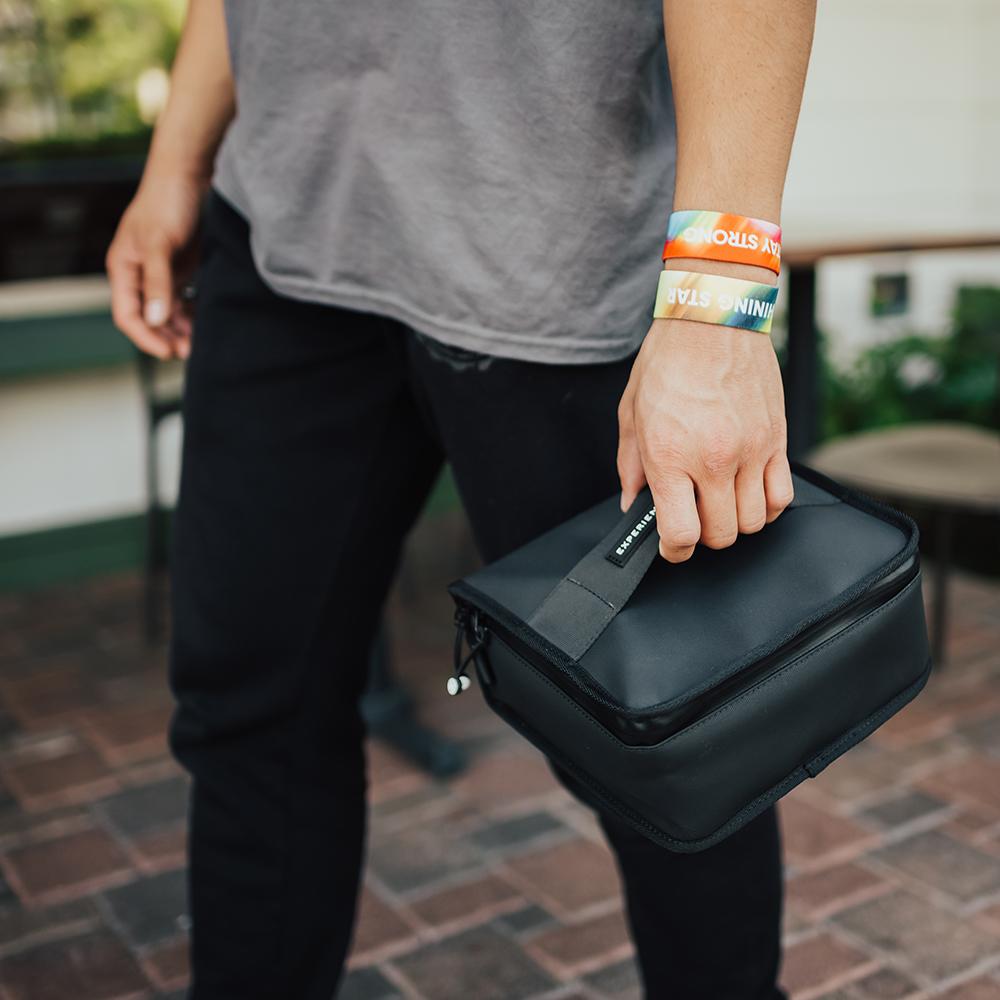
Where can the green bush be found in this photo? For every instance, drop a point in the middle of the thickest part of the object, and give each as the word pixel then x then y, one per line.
pixel 68 70
pixel 919 377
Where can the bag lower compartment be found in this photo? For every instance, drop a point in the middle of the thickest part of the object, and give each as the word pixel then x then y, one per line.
pixel 705 781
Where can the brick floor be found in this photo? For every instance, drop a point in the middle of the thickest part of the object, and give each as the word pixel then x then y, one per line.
pixel 494 885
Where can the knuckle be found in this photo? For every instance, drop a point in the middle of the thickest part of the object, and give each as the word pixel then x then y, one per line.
pixel 665 457
pixel 677 557
pixel 156 239
pixel 752 525
pixel 781 499
pixel 719 539
pixel 680 538
pixel 660 481
pixel 720 456
pixel 761 442
pixel 118 316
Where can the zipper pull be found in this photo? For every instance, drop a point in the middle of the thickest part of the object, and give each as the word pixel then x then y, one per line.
pixel 467 629
pixel 458 684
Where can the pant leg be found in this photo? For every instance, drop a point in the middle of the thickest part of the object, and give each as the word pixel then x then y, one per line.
pixel 706 926
pixel 530 446
pixel 304 464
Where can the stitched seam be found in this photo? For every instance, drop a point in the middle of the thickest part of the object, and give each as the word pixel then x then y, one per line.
pixel 846 739
pixel 722 708
pixel 767 797
pixel 589 637
pixel 573 579
pixel 851 737
pixel 575 768
pixel 806 504
pixel 764 681
pixel 288 905
pixel 562 694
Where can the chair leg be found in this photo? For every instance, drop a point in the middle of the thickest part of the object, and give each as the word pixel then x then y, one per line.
pixel 152 624
pixel 945 524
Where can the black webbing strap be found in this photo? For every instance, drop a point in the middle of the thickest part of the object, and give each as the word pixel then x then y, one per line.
pixel 583 603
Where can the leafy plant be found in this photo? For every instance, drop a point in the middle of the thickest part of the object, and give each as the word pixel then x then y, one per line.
pixel 69 68
pixel 920 377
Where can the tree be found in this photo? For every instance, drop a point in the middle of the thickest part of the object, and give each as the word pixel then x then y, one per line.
pixel 68 68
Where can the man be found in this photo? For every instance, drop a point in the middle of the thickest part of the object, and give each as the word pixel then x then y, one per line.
pixel 435 235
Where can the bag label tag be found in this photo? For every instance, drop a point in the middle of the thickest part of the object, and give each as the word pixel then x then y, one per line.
pixel 626 545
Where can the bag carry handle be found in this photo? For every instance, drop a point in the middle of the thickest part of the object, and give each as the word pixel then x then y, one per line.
pixel 585 601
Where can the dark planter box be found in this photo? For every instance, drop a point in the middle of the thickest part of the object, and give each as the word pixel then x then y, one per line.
pixel 57 218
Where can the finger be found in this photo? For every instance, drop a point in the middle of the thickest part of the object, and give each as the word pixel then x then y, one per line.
pixel 778 488
pixel 157 284
pixel 124 278
pixel 676 516
pixel 182 347
pixel 717 511
pixel 181 328
pixel 751 504
pixel 629 460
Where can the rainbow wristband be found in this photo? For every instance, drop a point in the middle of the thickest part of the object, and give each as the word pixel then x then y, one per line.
pixel 722 236
pixel 714 298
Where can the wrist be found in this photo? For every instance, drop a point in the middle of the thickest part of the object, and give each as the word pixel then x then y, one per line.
pixel 163 166
pixel 176 155
pixel 748 272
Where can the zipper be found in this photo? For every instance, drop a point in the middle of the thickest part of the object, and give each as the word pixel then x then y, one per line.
pixel 655 724
pixel 468 629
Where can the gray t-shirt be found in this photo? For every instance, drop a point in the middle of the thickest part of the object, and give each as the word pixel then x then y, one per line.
pixel 497 174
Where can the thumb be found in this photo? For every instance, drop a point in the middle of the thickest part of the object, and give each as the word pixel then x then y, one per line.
pixel 157 283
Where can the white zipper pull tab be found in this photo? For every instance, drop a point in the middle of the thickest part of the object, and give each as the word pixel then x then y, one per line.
pixel 458 684
pixel 468 630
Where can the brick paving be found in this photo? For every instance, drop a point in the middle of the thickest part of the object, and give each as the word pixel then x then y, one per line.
pixel 494 885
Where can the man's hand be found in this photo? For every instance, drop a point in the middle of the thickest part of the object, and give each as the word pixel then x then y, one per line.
pixel 153 252
pixel 149 260
pixel 702 422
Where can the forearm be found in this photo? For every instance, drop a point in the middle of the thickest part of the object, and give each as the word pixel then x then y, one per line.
pixel 738 68
pixel 201 102
pixel 702 418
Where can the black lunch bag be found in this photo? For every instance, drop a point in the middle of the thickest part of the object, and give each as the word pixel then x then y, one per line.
pixel 687 698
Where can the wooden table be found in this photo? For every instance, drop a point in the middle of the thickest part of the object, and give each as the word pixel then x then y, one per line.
pixel 943 469
pixel 799 262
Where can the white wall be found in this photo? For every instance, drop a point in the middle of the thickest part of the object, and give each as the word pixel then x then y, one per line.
pixel 899 136
pixel 900 125
pixel 72 447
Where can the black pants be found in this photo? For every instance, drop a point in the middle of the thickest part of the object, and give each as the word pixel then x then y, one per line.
pixel 312 436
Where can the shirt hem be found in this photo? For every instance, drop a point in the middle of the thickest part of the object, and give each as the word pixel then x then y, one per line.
pixel 489 342
pixel 516 347
pixel 480 341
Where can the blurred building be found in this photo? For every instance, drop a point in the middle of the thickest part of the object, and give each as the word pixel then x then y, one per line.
pixel 899 135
